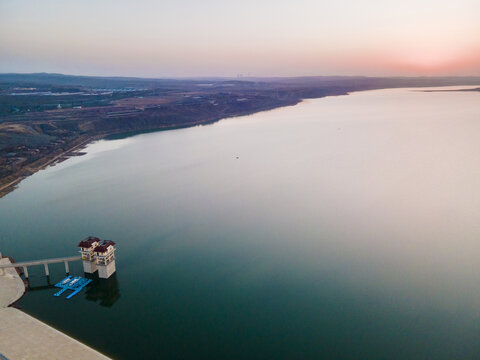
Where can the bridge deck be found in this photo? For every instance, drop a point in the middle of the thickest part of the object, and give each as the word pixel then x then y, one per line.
pixel 41 262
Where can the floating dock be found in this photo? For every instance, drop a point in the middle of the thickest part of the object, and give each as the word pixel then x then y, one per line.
pixel 76 284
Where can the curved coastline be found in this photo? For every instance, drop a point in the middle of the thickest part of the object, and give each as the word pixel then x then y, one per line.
pixel 163 113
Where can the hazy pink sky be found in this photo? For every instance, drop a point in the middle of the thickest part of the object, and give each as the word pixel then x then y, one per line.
pixel 226 38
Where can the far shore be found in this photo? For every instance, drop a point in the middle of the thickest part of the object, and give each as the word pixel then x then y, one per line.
pixel 51 159
pixel 450 90
pixel 34 140
pixel 10 183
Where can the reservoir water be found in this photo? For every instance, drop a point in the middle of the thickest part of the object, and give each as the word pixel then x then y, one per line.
pixel 342 227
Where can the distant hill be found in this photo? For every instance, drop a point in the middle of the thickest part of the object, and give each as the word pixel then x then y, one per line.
pixel 304 81
pixel 91 81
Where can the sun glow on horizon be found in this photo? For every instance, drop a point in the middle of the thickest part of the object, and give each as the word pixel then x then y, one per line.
pixel 225 38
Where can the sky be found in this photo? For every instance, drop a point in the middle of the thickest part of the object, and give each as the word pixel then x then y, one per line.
pixel 185 38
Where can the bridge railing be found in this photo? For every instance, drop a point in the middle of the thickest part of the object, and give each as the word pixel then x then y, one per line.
pixel 44 262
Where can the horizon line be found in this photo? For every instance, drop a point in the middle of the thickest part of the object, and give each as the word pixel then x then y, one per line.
pixel 239 78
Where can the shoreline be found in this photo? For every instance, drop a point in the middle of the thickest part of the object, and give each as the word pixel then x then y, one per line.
pixel 43 163
pixel 54 158
pixel 11 182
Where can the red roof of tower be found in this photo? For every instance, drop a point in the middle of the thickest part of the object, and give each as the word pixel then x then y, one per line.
pixel 87 242
pixel 103 245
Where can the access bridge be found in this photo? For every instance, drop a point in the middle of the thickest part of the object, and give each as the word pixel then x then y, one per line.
pixel 44 262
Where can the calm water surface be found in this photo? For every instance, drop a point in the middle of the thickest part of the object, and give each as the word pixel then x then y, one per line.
pixel 348 227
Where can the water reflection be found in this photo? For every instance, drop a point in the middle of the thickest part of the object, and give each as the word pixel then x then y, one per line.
pixel 106 291
pixel 47 286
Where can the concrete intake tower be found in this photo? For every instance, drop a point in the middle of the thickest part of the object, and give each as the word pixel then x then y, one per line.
pixel 98 255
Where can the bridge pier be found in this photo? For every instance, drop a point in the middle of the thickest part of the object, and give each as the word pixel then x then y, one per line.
pixel 46 269
pixel 25 272
pixel 67 269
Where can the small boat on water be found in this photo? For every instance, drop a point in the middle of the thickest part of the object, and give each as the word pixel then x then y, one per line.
pixel 66 280
pixel 74 281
